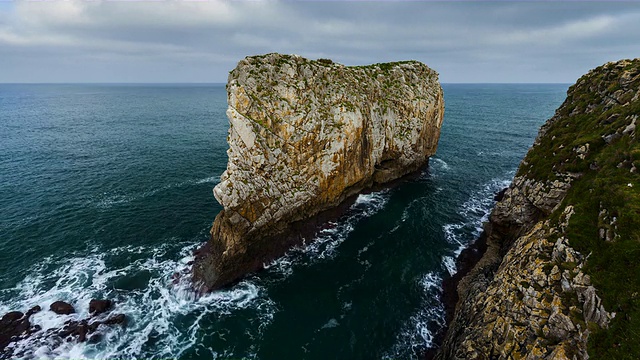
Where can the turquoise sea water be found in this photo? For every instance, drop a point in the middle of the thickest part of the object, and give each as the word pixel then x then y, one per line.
pixel 105 190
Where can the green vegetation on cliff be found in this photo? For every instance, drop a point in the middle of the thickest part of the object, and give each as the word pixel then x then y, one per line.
pixel 592 139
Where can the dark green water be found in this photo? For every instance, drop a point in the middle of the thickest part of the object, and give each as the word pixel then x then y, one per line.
pixel 106 189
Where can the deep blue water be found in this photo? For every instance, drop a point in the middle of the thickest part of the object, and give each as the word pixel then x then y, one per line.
pixel 105 190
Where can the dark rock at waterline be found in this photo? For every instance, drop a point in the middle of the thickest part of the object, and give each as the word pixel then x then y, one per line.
pixel 15 326
pixel 500 195
pixel 97 307
pixel 94 338
pixel 81 329
pixel 62 308
pixel 33 310
pixel 115 320
pixel 11 317
pixel 75 328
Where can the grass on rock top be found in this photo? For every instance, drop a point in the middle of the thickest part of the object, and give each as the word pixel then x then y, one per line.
pixel 605 182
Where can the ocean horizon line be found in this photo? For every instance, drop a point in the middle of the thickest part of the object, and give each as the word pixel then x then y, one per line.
pixel 223 83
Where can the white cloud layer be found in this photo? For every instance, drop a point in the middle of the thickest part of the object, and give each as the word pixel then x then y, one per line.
pixel 200 41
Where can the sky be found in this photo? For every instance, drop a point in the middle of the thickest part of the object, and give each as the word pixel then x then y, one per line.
pixel 201 41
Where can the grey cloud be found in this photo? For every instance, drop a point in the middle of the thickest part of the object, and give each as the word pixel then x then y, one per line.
pixel 201 41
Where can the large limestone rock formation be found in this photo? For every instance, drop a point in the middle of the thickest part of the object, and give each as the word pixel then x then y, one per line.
pixel 560 251
pixel 304 136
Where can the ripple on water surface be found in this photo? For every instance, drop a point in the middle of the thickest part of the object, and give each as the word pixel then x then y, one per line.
pixel 106 191
pixel 165 317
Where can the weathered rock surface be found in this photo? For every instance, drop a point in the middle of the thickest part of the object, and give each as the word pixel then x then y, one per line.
pixel 304 136
pixel 529 296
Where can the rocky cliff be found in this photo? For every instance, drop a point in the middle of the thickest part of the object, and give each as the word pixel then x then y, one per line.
pixel 560 277
pixel 304 136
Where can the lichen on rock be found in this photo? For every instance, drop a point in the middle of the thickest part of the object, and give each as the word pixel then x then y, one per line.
pixel 304 136
pixel 560 266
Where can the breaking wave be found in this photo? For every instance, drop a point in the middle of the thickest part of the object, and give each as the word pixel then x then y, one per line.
pixel 152 308
pixel 418 333
pixel 473 212
pixel 326 242
pixel 158 300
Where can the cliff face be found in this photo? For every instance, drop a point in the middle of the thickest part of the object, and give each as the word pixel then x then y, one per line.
pixel 305 135
pixel 560 277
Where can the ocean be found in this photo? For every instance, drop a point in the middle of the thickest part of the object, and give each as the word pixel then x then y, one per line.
pixel 105 191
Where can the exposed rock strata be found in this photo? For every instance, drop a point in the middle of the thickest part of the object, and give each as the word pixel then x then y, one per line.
pixel 304 136
pixel 529 296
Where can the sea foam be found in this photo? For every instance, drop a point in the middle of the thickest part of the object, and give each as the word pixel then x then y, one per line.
pixel 153 308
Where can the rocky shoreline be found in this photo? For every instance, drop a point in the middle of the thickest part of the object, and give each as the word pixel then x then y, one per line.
pixel 466 261
pixel 16 326
pixel 534 293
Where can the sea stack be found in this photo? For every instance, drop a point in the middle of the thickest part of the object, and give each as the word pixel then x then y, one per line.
pixel 560 276
pixel 304 136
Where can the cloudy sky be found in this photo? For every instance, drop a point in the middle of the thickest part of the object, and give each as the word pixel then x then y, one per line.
pixel 200 41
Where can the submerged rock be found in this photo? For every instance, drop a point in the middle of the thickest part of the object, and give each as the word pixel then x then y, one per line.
pixel 304 136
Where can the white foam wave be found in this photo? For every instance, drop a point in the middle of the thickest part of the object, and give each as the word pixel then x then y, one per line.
pixel 209 180
pixel 449 263
pixel 365 248
pixel 152 308
pixel 408 212
pixel 431 281
pixel 474 212
pixel 332 323
pixel 326 242
pixel 108 200
pixel 418 333
pixel 439 163
pixel 451 233
pixel 372 201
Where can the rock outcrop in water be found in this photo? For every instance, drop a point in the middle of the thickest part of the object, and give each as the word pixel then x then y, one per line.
pixel 304 136
pixel 560 277
pixel 16 328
